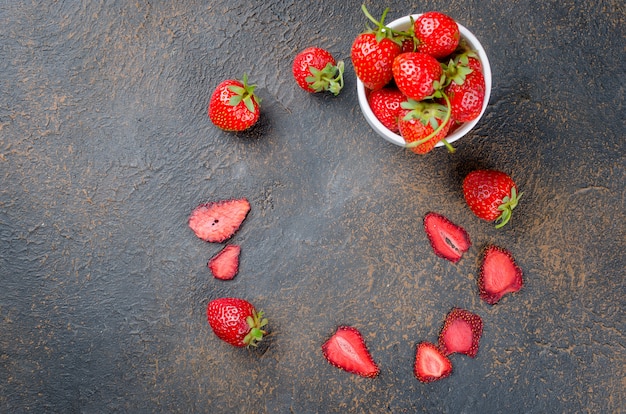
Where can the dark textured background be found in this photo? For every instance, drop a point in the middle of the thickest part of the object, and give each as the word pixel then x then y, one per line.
pixel 105 148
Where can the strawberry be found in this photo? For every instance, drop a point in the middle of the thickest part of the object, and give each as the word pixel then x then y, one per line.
pixel 315 70
pixel 385 104
pixel 423 124
pixel 234 106
pixel 491 195
pixel 225 264
pixel 373 53
pixel 448 240
pixel 217 221
pixel 430 363
pixel 417 74
pixel 466 89
pixel 499 275
pixel 461 333
pixel 346 349
pixel 236 321
pixel 437 34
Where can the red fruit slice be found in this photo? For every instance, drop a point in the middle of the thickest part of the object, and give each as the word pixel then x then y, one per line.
pixel 217 221
pixel 449 241
pixel 499 275
pixel 225 264
pixel 461 333
pixel 346 349
pixel 430 363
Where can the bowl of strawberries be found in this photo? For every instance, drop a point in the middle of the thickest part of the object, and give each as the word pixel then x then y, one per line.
pixel 423 80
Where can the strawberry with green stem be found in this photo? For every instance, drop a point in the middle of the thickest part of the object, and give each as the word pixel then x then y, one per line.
pixel 465 87
pixel 373 52
pixel 423 124
pixel 491 195
pixel 236 321
pixel 234 106
pixel 315 70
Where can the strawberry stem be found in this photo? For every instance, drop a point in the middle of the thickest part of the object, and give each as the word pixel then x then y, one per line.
pixel 507 206
pixel 256 321
pixel 382 31
pixel 244 94
pixel 328 79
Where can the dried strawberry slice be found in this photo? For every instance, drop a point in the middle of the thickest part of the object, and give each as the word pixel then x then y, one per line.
pixel 499 275
pixel 461 333
pixel 430 363
pixel 217 221
pixel 449 241
pixel 225 264
pixel 346 349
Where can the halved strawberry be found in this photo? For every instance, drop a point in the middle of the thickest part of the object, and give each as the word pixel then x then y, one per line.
pixel 225 264
pixel 217 221
pixel 499 275
pixel 461 333
pixel 449 241
pixel 430 363
pixel 346 349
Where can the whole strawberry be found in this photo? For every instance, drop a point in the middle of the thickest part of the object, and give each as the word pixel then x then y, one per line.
pixel 466 89
pixel 417 75
pixel 491 195
pixel 438 34
pixel 385 104
pixel 236 321
pixel 423 124
pixel 315 70
pixel 234 106
pixel 373 52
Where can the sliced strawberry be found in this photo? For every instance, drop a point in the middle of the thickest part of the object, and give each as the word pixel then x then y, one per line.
pixel 499 275
pixel 217 221
pixel 430 363
pixel 225 264
pixel 449 241
pixel 461 333
pixel 346 349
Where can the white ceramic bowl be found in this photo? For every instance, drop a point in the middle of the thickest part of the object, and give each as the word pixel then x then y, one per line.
pixel 403 24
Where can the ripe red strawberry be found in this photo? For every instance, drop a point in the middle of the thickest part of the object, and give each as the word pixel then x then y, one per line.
pixel 461 333
pixel 438 34
pixel 449 241
pixel 466 90
pixel 315 70
pixel 430 363
pixel 234 106
pixel 217 221
pixel 385 104
pixel 373 53
pixel 417 75
pixel 236 321
pixel 408 45
pixel 225 264
pixel 491 195
pixel 499 275
pixel 346 349
pixel 423 124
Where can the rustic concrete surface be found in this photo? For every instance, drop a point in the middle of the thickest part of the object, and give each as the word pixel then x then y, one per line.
pixel 105 148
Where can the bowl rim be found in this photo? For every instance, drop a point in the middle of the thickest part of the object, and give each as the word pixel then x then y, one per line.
pixel 463 129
